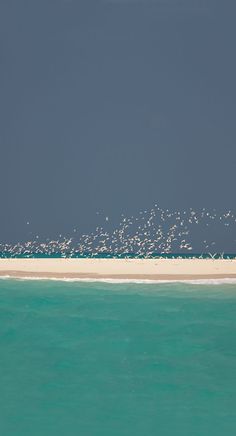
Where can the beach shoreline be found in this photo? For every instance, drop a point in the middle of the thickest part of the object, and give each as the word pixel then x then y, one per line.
pixel 119 269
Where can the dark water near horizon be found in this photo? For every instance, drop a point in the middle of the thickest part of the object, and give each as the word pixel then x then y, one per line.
pixel 79 255
pixel 99 359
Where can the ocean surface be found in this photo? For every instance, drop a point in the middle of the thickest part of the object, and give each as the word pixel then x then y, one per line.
pixel 112 359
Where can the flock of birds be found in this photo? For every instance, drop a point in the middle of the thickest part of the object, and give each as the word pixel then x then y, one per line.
pixel 151 232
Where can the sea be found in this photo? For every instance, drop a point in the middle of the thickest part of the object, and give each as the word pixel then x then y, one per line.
pixel 117 359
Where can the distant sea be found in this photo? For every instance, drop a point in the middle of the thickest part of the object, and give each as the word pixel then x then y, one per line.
pixel 102 359
pixel 102 255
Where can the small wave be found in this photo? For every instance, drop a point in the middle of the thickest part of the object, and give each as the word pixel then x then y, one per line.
pixel 223 281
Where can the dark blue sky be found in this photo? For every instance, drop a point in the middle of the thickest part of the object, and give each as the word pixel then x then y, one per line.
pixel 113 106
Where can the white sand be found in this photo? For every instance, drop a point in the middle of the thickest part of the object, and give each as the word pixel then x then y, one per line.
pixel 152 269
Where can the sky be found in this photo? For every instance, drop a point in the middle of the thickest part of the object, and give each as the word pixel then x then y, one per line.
pixel 112 106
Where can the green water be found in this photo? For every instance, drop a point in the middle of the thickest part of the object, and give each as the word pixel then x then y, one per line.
pixel 96 359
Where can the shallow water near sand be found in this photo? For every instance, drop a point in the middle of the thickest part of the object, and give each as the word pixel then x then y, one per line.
pixel 99 359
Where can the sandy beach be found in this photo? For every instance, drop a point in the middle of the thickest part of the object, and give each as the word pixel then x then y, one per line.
pixel 132 269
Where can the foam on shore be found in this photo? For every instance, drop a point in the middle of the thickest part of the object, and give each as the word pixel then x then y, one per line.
pixel 223 281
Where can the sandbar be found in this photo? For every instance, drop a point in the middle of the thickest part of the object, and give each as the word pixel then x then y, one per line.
pixel 127 269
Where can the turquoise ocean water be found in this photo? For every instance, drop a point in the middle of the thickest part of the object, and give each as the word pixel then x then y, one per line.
pixel 99 359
